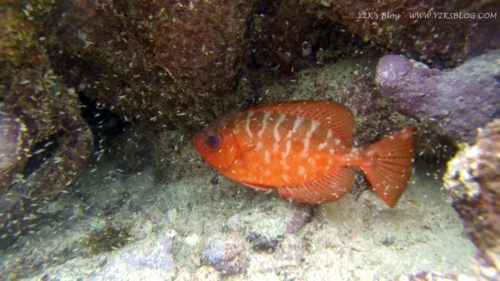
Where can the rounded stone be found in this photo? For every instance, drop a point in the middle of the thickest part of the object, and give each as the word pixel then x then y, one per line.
pixel 226 255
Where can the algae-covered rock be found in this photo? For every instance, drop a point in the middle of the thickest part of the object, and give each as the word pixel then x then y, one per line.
pixel 473 181
pixel 438 32
pixel 455 102
pixel 151 60
pixel 45 141
pixel 287 36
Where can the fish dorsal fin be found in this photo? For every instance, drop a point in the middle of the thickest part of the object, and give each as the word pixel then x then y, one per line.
pixel 325 189
pixel 329 114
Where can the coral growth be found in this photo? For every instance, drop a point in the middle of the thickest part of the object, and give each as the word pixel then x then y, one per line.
pixel 473 181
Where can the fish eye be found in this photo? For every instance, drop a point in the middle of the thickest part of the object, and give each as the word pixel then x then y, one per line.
pixel 213 142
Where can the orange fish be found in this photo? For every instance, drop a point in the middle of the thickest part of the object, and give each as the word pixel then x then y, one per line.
pixel 303 149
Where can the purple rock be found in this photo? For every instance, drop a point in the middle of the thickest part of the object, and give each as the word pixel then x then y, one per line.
pixel 302 215
pixel 226 255
pixel 156 256
pixel 455 102
pixel 11 142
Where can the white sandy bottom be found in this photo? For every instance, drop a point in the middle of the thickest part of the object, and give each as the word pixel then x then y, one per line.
pixel 346 240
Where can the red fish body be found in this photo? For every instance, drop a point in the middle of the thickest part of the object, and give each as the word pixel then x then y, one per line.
pixel 303 149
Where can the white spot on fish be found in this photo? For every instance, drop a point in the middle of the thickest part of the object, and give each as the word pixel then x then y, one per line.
pixel 284 164
pixel 247 124
pixel 296 125
pixel 267 157
pixel 288 147
pixel 309 133
pixel 259 146
pixel 285 177
pixel 312 162
pixel 301 171
pixel 264 124
pixel 329 134
pixel 276 132
pixel 275 146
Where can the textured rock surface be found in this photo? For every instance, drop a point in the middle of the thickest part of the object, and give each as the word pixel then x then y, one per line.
pixel 287 36
pixel 473 180
pixel 456 102
pixel 226 255
pixel 265 226
pixel 45 141
pixel 11 144
pixel 151 61
pixel 436 39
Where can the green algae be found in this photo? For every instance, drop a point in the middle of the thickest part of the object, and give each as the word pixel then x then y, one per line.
pixel 107 239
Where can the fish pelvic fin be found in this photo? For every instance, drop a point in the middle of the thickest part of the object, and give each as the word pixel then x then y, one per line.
pixel 388 165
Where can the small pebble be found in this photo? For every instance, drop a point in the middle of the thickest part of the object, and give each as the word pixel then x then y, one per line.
pixel 226 255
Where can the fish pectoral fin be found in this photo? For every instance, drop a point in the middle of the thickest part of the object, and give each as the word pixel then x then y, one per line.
pixel 325 189
pixel 257 186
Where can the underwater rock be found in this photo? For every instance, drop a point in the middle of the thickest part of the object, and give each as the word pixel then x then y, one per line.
pixel 286 36
pixel 472 178
pixel 265 226
pixel 455 102
pixel 292 249
pixel 146 260
pixel 52 143
pixel 155 256
pixel 437 32
pixel 426 276
pixel 11 144
pixel 132 148
pixel 226 255
pixel 150 61
pixel 171 151
pixel 302 215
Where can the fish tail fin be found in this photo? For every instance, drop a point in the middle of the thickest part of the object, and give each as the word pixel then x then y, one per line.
pixel 388 165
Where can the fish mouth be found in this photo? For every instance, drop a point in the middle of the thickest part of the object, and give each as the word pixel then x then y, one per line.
pixel 197 142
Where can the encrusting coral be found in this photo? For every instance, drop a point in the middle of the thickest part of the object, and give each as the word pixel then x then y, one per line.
pixel 473 180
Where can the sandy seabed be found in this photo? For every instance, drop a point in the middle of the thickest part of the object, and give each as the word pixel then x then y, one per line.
pixel 159 231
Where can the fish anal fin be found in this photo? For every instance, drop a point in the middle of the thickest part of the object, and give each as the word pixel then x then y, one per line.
pixel 257 186
pixel 325 189
pixel 328 114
